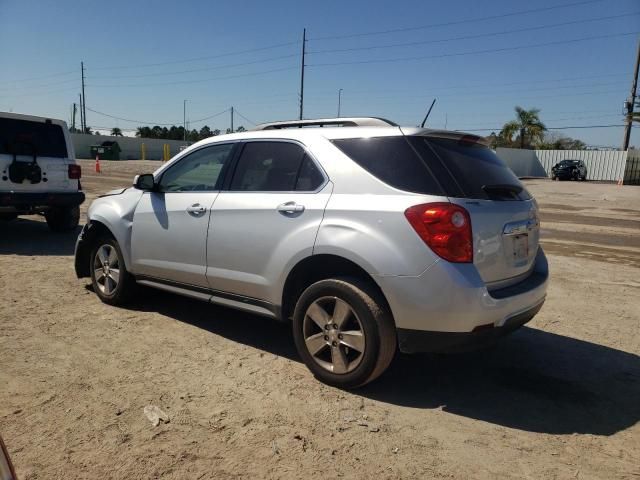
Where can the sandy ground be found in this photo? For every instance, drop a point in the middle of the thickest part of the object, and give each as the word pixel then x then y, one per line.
pixel 558 399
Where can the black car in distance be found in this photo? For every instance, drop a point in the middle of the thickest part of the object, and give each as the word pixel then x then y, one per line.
pixel 569 170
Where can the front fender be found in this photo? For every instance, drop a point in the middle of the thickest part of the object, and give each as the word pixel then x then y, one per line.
pixel 115 213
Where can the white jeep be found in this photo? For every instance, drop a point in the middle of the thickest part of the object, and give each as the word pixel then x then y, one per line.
pixel 38 171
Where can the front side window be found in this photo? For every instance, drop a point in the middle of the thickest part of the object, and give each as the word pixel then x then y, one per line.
pixel 275 167
pixel 199 171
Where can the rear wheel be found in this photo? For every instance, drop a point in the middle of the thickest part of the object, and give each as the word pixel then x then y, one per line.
pixel 111 281
pixel 63 219
pixel 344 332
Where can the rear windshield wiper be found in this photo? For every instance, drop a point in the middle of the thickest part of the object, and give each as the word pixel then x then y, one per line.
pixel 502 192
pixel 515 189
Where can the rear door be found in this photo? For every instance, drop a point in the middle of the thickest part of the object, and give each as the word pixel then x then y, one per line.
pixel 267 218
pixel 503 215
pixel 40 153
pixel 169 235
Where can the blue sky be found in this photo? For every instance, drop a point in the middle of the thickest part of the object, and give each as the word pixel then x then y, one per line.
pixel 144 58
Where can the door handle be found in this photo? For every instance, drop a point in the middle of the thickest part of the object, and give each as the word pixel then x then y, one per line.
pixel 290 207
pixel 196 209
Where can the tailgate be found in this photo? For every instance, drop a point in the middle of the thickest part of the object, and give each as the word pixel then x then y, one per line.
pixel 505 239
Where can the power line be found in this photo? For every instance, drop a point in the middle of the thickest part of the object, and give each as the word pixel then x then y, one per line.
pixel 242 116
pixel 457 22
pixel 213 67
pixel 196 59
pixel 467 37
pixel 474 52
pixel 33 94
pixel 71 80
pixel 155 123
pixel 197 81
pixel 548 128
pixel 40 77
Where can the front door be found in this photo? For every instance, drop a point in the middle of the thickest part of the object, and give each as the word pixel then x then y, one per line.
pixel 170 224
pixel 266 221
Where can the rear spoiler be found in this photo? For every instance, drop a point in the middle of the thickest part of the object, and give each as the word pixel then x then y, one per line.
pixel 460 137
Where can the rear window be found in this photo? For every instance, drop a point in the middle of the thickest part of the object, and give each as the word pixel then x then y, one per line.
pixel 475 168
pixel 24 137
pixel 393 161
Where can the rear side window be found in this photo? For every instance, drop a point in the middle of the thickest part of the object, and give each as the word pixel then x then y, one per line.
pixel 477 169
pixel 393 161
pixel 275 167
pixel 24 137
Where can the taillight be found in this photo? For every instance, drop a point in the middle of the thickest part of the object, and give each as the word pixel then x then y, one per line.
pixel 75 172
pixel 445 228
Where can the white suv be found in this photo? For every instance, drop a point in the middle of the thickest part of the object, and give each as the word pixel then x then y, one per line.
pixel 38 171
pixel 368 237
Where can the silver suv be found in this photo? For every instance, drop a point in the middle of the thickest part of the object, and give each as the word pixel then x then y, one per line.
pixel 366 236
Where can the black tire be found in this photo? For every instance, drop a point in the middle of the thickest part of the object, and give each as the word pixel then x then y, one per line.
pixel 121 293
pixel 7 217
pixel 63 219
pixel 371 313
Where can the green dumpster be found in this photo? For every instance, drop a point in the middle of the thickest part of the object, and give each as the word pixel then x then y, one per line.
pixel 107 150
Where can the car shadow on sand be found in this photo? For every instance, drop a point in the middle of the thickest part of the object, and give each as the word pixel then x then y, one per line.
pixel 532 380
pixel 30 236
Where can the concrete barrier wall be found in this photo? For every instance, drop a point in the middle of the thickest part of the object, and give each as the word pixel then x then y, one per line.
pixel 131 146
pixel 606 165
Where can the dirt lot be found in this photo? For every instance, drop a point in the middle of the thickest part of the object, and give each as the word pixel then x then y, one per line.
pixel 558 399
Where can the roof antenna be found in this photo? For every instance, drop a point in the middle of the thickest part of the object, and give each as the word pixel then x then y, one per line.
pixel 427 115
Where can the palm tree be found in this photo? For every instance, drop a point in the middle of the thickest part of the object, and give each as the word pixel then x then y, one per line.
pixel 527 125
pixel 116 132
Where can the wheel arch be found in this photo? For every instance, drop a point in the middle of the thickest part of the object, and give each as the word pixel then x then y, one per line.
pixel 93 230
pixel 319 267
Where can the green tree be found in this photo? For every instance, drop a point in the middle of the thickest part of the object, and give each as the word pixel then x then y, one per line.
pixel 527 128
pixel 143 132
pixel 556 141
pixel 205 132
pixel 216 132
pixel 116 132
pixel 241 129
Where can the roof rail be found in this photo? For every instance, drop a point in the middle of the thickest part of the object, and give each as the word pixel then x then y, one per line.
pixel 329 122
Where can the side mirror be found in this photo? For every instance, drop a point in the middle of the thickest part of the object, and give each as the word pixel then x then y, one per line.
pixel 6 468
pixel 144 182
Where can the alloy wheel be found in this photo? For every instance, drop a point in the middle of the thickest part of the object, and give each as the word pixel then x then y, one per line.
pixel 333 335
pixel 106 269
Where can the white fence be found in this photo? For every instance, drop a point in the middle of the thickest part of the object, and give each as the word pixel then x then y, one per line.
pixel 131 147
pixel 606 165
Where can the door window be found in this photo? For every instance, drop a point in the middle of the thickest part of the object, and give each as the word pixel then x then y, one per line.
pixel 199 171
pixel 275 167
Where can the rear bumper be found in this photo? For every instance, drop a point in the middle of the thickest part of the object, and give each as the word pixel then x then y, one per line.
pixel 418 341
pixel 25 202
pixel 452 299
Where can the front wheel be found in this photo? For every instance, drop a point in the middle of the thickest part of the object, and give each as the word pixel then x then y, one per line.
pixel 63 219
pixel 111 281
pixel 344 332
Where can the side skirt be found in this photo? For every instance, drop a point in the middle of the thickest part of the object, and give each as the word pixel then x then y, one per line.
pixel 232 300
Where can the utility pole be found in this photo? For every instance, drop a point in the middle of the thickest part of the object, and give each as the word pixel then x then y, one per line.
pixel 73 117
pixel 184 120
pixel 84 101
pixel 304 44
pixel 629 104
pixel 81 114
pixel 339 99
pixel 231 119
